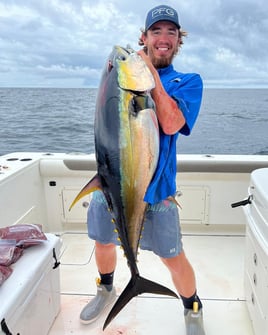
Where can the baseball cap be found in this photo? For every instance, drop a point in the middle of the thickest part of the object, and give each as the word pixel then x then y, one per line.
pixel 161 13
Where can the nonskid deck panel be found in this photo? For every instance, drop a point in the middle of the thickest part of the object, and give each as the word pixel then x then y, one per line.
pixel 219 266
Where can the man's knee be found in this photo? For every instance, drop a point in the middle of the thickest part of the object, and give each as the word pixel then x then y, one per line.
pixel 176 262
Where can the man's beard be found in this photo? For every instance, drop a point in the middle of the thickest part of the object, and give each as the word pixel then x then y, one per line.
pixel 162 62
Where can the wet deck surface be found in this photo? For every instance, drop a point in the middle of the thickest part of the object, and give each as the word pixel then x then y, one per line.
pixel 218 262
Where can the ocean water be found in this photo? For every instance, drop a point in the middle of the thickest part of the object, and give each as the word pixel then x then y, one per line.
pixel 231 121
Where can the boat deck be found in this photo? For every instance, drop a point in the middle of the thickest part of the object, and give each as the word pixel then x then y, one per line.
pixel 218 261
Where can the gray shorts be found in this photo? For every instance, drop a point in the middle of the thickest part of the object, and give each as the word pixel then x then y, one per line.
pixel 161 234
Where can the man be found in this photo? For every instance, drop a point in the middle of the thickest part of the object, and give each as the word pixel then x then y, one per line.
pixel 177 97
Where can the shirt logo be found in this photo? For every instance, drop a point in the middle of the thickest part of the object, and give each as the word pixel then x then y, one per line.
pixel 176 79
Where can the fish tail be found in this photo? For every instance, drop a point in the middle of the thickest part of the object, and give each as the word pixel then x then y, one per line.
pixel 137 285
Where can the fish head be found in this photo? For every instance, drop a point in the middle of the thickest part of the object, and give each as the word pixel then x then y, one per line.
pixel 133 73
pixel 125 67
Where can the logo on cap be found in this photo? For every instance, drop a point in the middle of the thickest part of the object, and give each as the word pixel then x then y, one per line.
pixel 163 11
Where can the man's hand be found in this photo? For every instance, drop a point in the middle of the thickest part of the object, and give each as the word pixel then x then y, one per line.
pixel 148 62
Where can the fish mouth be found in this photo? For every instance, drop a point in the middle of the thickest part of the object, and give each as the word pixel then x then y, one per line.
pixel 124 51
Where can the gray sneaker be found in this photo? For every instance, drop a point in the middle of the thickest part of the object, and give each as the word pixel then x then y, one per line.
pixel 194 322
pixel 94 308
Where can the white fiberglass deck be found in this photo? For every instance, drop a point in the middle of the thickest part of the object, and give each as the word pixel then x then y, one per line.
pixel 218 261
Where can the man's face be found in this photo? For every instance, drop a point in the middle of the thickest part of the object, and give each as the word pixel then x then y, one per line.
pixel 162 42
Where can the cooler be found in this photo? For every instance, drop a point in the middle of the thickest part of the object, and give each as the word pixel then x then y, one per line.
pixel 256 257
pixel 30 297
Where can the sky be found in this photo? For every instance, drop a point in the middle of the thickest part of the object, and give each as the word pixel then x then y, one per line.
pixel 65 43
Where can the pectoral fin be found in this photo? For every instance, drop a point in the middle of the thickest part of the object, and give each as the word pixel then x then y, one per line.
pixel 91 186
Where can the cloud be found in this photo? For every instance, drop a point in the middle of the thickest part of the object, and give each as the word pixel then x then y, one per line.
pixel 65 42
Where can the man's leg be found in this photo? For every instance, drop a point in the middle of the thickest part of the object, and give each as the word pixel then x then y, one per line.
pixel 105 255
pixel 101 228
pixel 182 274
pixel 162 235
pixel 184 280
